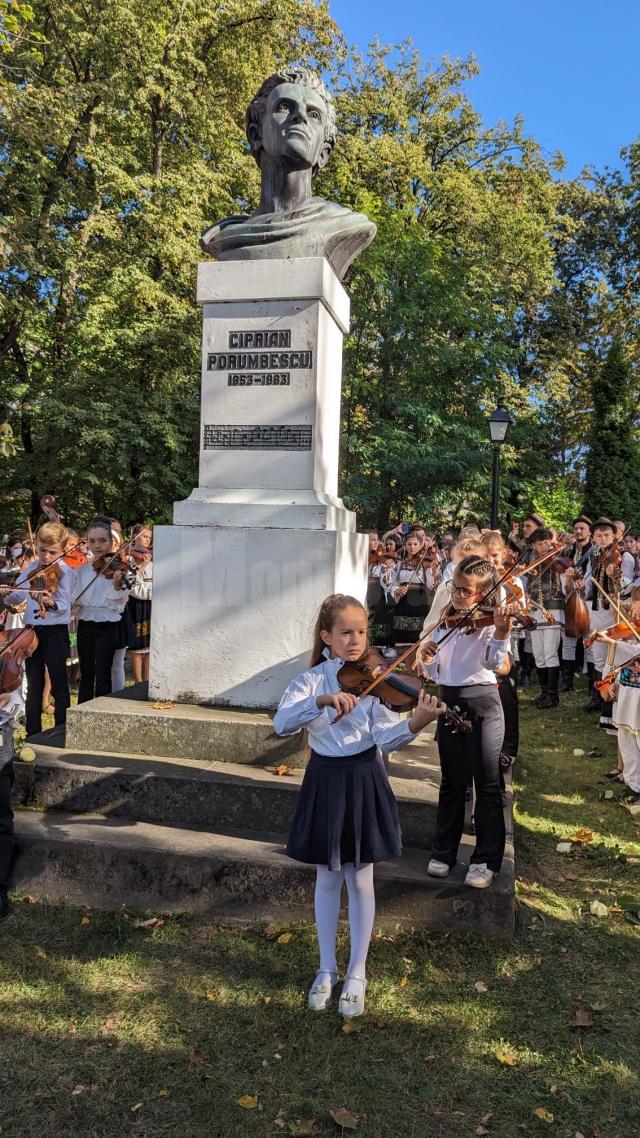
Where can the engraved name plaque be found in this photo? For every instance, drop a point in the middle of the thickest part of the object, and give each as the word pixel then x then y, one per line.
pixel 233 436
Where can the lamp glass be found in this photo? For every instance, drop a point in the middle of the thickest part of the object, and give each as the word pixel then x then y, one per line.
pixel 499 424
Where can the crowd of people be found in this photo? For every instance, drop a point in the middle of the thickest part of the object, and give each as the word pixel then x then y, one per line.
pixel 73 605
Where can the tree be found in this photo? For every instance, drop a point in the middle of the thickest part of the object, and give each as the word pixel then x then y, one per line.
pixel 613 462
pixel 122 138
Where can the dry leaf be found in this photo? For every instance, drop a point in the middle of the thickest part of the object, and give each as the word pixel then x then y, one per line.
pixel 210 996
pixel 111 1024
pixel 274 929
pixel 164 1094
pixel 280 1121
pixel 284 938
pixel 136 1107
pixel 151 923
pixel 162 705
pixel 481 1131
pixel 85 921
pixel 77 1090
pixel 196 1057
pixel 483 1126
pixel 266 999
pixel 544 1115
pixel 506 1055
pixel 248 1102
pixel 27 755
pixel 303 1128
pixel 30 899
pixel 597 909
pixel 582 1018
pixel 281 769
pixel 351 1026
pixel 480 987
pixel 404 981
pixel 345 1118
pixel 41 954
pixel 582 835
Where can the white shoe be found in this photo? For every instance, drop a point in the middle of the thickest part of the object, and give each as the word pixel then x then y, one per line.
pixel 319 996
pixel 351 1004
pixel 437 868
pixel 389 653
pixel 479 876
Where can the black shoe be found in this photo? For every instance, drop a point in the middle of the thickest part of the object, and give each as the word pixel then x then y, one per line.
pixel 4 904
pixel 566 681
pixel 549 700
pixel 634 800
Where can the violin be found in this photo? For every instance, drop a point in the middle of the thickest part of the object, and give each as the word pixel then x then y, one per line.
pixel 482 617
pixel 114 563
pixel 16 644
pixel 399 691
pixel 619 631
pixel 44 579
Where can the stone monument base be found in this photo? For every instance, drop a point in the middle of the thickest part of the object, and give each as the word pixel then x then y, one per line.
pixel 234 608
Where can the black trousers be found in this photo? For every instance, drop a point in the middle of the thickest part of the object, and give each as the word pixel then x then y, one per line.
pixel 52 653
pixel 476 756
pixel 97 640
pixel 508 691
pixel 6 813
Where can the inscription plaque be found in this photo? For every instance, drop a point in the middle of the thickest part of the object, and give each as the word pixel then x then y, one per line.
pixel 234 436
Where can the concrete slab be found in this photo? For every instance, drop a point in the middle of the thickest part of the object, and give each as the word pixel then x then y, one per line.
pixel 121 724
pixel 109 862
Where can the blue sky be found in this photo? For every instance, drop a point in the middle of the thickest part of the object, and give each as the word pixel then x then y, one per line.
pixel 571 67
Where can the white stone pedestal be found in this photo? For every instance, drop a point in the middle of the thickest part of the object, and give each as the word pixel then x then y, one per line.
pixel 264 538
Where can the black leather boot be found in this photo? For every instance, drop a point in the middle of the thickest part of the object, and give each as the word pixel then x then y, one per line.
pixel 595 703
pixel 566 679
pixel 542 676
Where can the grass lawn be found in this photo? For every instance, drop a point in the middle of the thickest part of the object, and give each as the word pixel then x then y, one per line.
pixel 108 1028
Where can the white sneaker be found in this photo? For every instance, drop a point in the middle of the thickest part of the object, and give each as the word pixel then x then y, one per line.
pixel 437 868
pixel 319 996
pixel 479 876
pixel 351 1004
pixel 389 653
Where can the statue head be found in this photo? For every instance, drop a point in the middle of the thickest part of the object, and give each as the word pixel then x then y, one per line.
pixel 293 118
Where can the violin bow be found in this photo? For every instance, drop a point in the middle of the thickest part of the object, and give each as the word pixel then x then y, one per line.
pixel 612 675
pixel 618 610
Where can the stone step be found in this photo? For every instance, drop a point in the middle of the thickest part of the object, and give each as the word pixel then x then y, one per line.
pixel 127 722
pixel 216 797
pixel 108 862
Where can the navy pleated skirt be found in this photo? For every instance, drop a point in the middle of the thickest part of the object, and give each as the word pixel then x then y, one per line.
pixel 346 812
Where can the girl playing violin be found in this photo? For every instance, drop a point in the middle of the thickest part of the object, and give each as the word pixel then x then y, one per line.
pixel 99 596
pixel 464 663
pixel 48 611
pixel 346 817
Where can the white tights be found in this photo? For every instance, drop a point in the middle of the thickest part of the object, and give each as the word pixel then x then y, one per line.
pixel 362 910
pixel 117 669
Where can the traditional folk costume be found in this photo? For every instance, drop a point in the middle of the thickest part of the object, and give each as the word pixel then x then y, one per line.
pixel 602 614
pixel 410 610
pixel 139 606
pixel 546 590
pixel 625 716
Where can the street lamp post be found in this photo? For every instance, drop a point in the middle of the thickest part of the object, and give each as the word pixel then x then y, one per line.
pixel 499 424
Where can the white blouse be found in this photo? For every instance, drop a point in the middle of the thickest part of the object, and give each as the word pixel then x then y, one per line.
pixel 370 723
pixel 62 597
pixel 468 658
pixel 101 601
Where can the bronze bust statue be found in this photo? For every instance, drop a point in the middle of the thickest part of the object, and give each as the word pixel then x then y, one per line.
pixel 291 128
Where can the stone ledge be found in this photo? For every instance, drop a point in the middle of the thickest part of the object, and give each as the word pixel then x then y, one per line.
pixel 124 725
pixel 107 863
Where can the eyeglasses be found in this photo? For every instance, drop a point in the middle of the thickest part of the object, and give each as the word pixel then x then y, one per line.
pixel 460 590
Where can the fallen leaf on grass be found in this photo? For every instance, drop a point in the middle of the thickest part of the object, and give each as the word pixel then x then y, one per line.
pixel 352 1026
pixel 303 1128
pixel 85 921
pixel 480 987
pixel 280 1121
pixel 544 1115
pixel 111 1024
pixel 196 1057
pixel 164 1094
pixel 582 835
pixel 247 1102
pixel 404 981
pixel 274 929
pixel 582 1018
pixel 483 1126
pixel 211 996
pixel 41 954
pixel 284 938
pixel 151 923
pixel 77 1090
pixel 344 1118
pixel 597 909
pixel 30 900
pixel 136 1107
pixel 162 705
pixel 506 1055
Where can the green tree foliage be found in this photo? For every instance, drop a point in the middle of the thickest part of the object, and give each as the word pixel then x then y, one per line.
pixel 613 462
pixel 122 138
